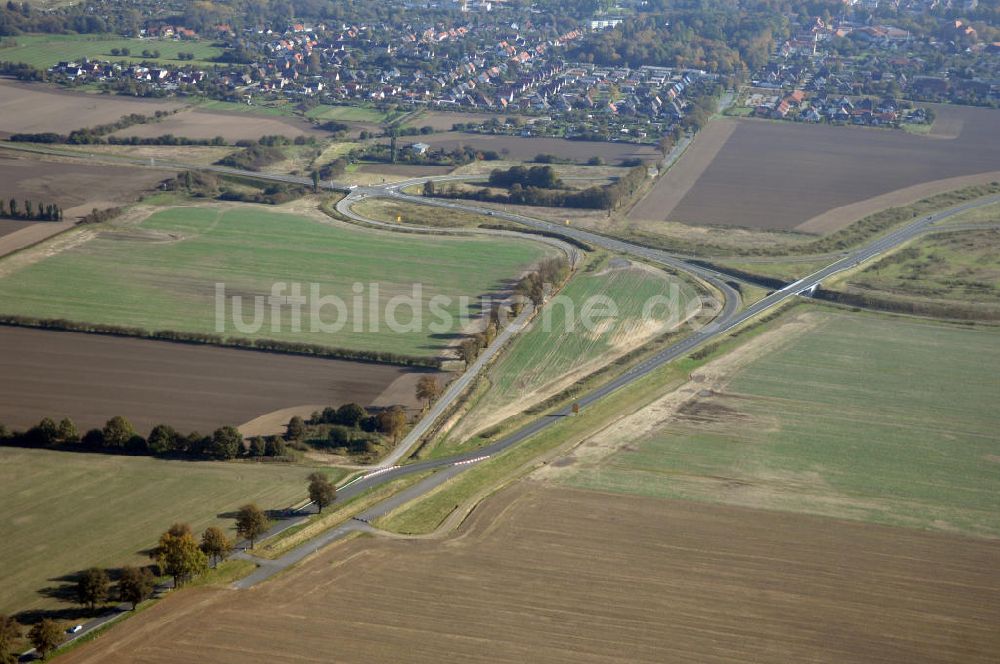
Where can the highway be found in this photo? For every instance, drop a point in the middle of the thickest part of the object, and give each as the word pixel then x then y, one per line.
pixel 727 320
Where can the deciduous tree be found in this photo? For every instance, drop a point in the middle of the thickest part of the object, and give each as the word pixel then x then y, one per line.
pixel 93 588
pixel 10 631
pixel 296 429
pixel 135 585
pixel 118 432
pixel 46 636
pixel 215 544
pixel 251 523
pixel 321 491
pixel 391 422
pixel 178 554
pixel 428 389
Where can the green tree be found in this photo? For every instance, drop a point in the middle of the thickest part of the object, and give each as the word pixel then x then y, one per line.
pixel 46 636
pixel 227 442
pixel 258 447
pixel 321 491
pixel 45 432
pixel 67 432
pixel 296 429
pixel 429 188
pixel 215 544
pixel 93 588
pixel 13 208
pixel 251 523
pixel 163 439
pixel 135 585
pixel 351 415
pixel 117 432
pixel 315 180
pixel 10 632
pixel 178 555
pixel 275 447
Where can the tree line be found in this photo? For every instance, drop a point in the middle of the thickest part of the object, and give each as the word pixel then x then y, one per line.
pixel 118 436
pixel 92 135
pixel 178 555
pixel 265 345
pixel 30 211
pixel 532 287
pixel 602 197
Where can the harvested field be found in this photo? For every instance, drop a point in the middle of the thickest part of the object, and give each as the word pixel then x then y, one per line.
pixel 21 234
pixel 406 170
pixel 553 575
pixel 520 148
pixel 91 378
pixel 817 178
pixel 235 126
pixel 858 416
pixel 66 511
pixel 75 186
pixel 35 108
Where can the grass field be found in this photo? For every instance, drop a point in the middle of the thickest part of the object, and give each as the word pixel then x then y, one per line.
pixel 347 114
pixel 889 420
pixel 561 347
pixel 280 108
pixel 962 266
pixel 44 51
pixel 64 511
pixel 162 273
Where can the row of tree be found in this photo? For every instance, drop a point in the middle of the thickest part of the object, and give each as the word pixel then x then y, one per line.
pixel 30 211
pixel 533 287
pixel 118 436
pixel 604 197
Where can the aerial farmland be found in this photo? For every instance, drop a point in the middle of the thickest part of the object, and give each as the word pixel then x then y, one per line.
pixel 499 332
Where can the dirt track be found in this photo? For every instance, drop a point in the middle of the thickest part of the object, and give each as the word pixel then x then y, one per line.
pixel 91 378
pixel 782 174
pixel 553 575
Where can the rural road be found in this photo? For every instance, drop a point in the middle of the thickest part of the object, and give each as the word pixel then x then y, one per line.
pixel 728 320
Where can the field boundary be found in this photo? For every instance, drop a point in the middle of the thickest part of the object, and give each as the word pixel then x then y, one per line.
pixel 238 343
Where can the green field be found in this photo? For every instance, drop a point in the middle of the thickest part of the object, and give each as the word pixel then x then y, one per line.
pixel 65 511
pixel 889 420
pixel 44 51
pixel 962 265
pixel 162 274
pixel 347 114
pixel 279 108
pixel 560 343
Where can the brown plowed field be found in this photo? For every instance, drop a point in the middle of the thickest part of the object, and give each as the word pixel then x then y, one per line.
pixel 75 186
pixel 779 175
pixel 521 148
pixel 554 575
pixel 91 378
pixel 234 126
pixel 34 108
